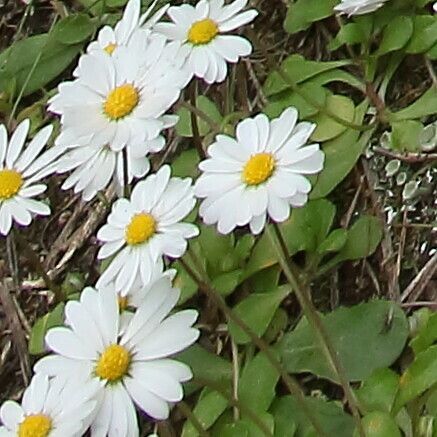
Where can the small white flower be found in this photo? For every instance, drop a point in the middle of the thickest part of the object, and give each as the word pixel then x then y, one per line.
pixel 20 169
pixel 120 100
pixel 134 296
pixel 261 172
pixel 358 7
pixel 93 167
pixel 110 39
pixel 146 227
pixel 202 29
pixel 129 362
pixel 434 6
pixel 50 408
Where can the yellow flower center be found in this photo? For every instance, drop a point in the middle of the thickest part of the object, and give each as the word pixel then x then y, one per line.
pixel 203 31
pixel 35 425
pixel 121 101
pixel 140 229
pixel 123 302
pixel 258 169
pixel 109 49
pixel 10 183
pixel 113 364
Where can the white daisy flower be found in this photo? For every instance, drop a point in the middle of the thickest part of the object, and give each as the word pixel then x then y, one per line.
pixel 131 365
pixel 261 172
pixel 94 167
pixel 358 7
pixel 20 169
pixel 120 100
pixel 135 295
pixel 50 408
pixel 146 227
pixel 110 38
pixel 203 30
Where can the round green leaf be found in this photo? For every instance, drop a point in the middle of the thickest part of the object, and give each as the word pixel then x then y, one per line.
pixel 378 326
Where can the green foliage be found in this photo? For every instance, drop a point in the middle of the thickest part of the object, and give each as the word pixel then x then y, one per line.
pixel 208 409
pixel 209 108
pixel 396 35
pixel 257 311
pixel 420 376
pixel 378 391
pixel 33 62
pixel 42 325
pixel 379 424
pixel 349 329
pixel 302 13
pixel 327 128
pixel 291 421
pixel 256 388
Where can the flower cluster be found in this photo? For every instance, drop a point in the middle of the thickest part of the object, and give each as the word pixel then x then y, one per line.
pixel 115 350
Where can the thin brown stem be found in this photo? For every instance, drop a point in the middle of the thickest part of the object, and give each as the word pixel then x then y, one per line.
pixel 303 295
pixel 291 384
pixel 126 188
pixel 194 125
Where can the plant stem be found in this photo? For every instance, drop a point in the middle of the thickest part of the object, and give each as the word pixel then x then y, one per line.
pixel 33 257
pixel 291 384
pixel 186 411
pixel 126 188
pixel 194 126
pixel 304 298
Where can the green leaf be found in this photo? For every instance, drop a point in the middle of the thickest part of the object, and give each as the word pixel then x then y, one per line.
pixel 341 155
pixel 183 127
pixel 243 248
pixel 257 311
pixel 208 409
pixel 420 376
pixel 304 230
pixel 265 280
pixel 405 135
pixel 302 13
pixel 288 414
pixel 73 29
pixel 426 104
pixel 426 336
pixel 327 128
pixel 279 102
pixel 424 36
pixel 42 325
pixel 185 165
pixel 215 248
pixel 363 238
pixel 17 61
pixel 237 429
pixel 185 283
pixel 396 35
pixel 350 33
pixel 254 429
pixel 378 392
pixel 206 365
pixel 256 388
pixel 333 242
pixel 299 69
pixel 379 424
pixel 227 282
pixel 354 332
